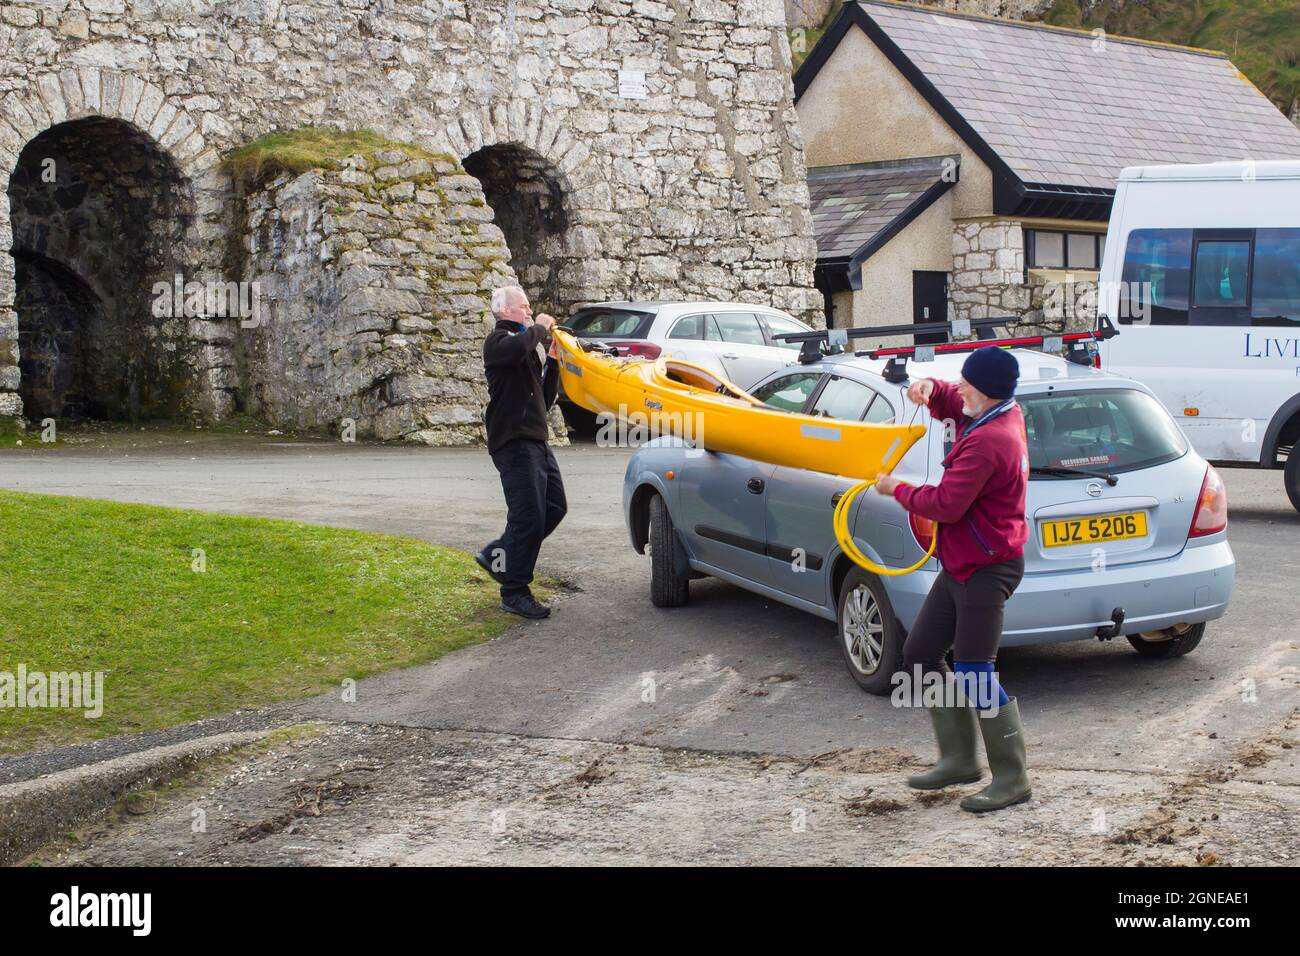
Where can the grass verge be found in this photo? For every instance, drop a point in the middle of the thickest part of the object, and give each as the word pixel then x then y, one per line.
pixel 189 614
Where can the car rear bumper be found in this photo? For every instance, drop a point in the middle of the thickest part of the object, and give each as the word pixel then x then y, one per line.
pixel 1190 587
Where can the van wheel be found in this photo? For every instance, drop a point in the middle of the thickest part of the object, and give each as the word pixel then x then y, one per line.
pixel 669 573
pixel 870 637
pixel 1172 642
pixel 1291 477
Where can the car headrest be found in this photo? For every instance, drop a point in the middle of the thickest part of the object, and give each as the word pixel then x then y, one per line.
pixel 1080 417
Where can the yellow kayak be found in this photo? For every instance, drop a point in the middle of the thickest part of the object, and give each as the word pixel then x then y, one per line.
pixel 689 401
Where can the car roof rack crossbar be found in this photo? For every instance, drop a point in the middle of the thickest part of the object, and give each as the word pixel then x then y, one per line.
pixel 812 342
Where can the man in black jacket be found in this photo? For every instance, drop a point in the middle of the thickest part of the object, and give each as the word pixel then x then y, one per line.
pixel 521 388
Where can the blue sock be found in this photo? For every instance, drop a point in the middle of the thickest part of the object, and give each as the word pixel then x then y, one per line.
pixel 981 683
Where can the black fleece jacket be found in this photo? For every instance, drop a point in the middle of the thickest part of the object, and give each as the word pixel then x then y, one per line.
pixel 520 388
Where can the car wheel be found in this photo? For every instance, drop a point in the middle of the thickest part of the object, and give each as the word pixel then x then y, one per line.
pixel 1171 642
pixel 669 573
pixel 1291 477
pixel 869 634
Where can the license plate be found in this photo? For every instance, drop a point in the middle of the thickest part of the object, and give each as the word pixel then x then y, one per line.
pixel 1132 524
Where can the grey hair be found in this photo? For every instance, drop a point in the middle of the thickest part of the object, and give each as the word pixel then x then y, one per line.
pixel 501 298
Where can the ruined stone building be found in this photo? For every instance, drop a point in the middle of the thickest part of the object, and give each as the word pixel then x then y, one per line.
pixel 589 149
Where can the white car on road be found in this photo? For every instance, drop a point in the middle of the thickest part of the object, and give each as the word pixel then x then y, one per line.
pixel 733 339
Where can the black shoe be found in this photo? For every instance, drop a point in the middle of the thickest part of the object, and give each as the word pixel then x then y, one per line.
pixel 481 560
pixel 525 605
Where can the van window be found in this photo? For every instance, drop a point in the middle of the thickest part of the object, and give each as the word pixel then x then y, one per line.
pixel 1103 430
pixel 1242 277
pixel 1275 298
pixel 1157 276
pixel 1222 272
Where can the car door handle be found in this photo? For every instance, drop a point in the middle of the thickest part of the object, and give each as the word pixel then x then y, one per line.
pixel 755 486
pixel 730 355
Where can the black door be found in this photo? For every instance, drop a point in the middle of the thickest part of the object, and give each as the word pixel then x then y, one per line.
pixel 929 304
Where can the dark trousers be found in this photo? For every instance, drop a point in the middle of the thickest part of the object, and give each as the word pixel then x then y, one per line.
pixel 535 504
pixel 965 616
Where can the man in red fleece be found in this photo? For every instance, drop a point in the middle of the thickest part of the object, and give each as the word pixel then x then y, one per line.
pixel 979 506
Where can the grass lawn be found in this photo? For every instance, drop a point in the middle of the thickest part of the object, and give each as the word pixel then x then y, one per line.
pixel 283 610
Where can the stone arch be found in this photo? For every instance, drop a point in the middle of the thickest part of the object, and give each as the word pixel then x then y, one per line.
pixel 540 183
pixel 52 104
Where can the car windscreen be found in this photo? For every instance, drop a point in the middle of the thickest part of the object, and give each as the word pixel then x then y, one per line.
pixel 611 323
pixel 1108 431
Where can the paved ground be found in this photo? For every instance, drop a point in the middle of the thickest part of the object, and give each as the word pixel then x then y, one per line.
pixel 735 675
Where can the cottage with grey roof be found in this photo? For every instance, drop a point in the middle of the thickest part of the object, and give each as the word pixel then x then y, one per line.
pixel 962 166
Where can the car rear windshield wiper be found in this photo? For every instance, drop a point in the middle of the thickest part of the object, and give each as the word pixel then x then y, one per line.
pixel 1047 470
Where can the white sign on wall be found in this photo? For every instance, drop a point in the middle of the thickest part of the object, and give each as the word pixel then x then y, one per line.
pixel 632 85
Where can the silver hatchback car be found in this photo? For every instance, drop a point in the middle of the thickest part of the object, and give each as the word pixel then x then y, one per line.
pixel 1128 524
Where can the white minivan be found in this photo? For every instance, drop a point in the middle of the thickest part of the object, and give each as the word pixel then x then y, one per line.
pixel 1201 275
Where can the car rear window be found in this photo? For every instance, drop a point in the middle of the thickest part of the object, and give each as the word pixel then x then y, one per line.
pixel 1103 430
pixel 611 323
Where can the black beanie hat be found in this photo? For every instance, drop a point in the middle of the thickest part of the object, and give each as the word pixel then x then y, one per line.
pixel 993 371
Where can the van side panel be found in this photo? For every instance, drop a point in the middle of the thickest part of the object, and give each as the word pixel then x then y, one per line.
pixel 1222 383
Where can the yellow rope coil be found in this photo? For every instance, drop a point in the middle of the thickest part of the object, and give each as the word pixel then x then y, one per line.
pixel 849 547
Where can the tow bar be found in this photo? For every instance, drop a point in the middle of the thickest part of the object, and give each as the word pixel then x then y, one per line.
pixel 1116 624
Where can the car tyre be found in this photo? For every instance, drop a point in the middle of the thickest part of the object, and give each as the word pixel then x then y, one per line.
pixel 869 635
pixel 669 573
pixel 1182 640
pixel 1291 477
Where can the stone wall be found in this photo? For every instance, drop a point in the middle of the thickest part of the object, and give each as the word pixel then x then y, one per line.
pixel 696 189
pixel 374 283
pixel 988 263
pixel 989 279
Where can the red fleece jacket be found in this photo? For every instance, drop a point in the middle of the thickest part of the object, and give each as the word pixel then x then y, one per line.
pixel 980 501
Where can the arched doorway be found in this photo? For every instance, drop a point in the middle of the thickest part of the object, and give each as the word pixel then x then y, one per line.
pixel 99 217
pixel 527 196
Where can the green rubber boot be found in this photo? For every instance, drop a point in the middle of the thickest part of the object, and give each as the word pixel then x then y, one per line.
pixel 954 729
pixel 1004 742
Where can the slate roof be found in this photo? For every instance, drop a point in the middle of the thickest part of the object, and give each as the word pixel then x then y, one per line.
pixel 857 208
pixel 1071 109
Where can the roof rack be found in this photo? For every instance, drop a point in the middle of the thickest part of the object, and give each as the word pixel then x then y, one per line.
pixel 834 341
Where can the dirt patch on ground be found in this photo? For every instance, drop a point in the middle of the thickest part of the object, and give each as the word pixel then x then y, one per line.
pixel 377 795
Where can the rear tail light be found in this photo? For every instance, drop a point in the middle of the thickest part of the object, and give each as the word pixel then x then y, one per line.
pixel 642 349
pixel 922 529
pixel 1211 513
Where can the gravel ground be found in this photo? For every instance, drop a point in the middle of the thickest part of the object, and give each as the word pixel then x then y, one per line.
pixel 383 795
